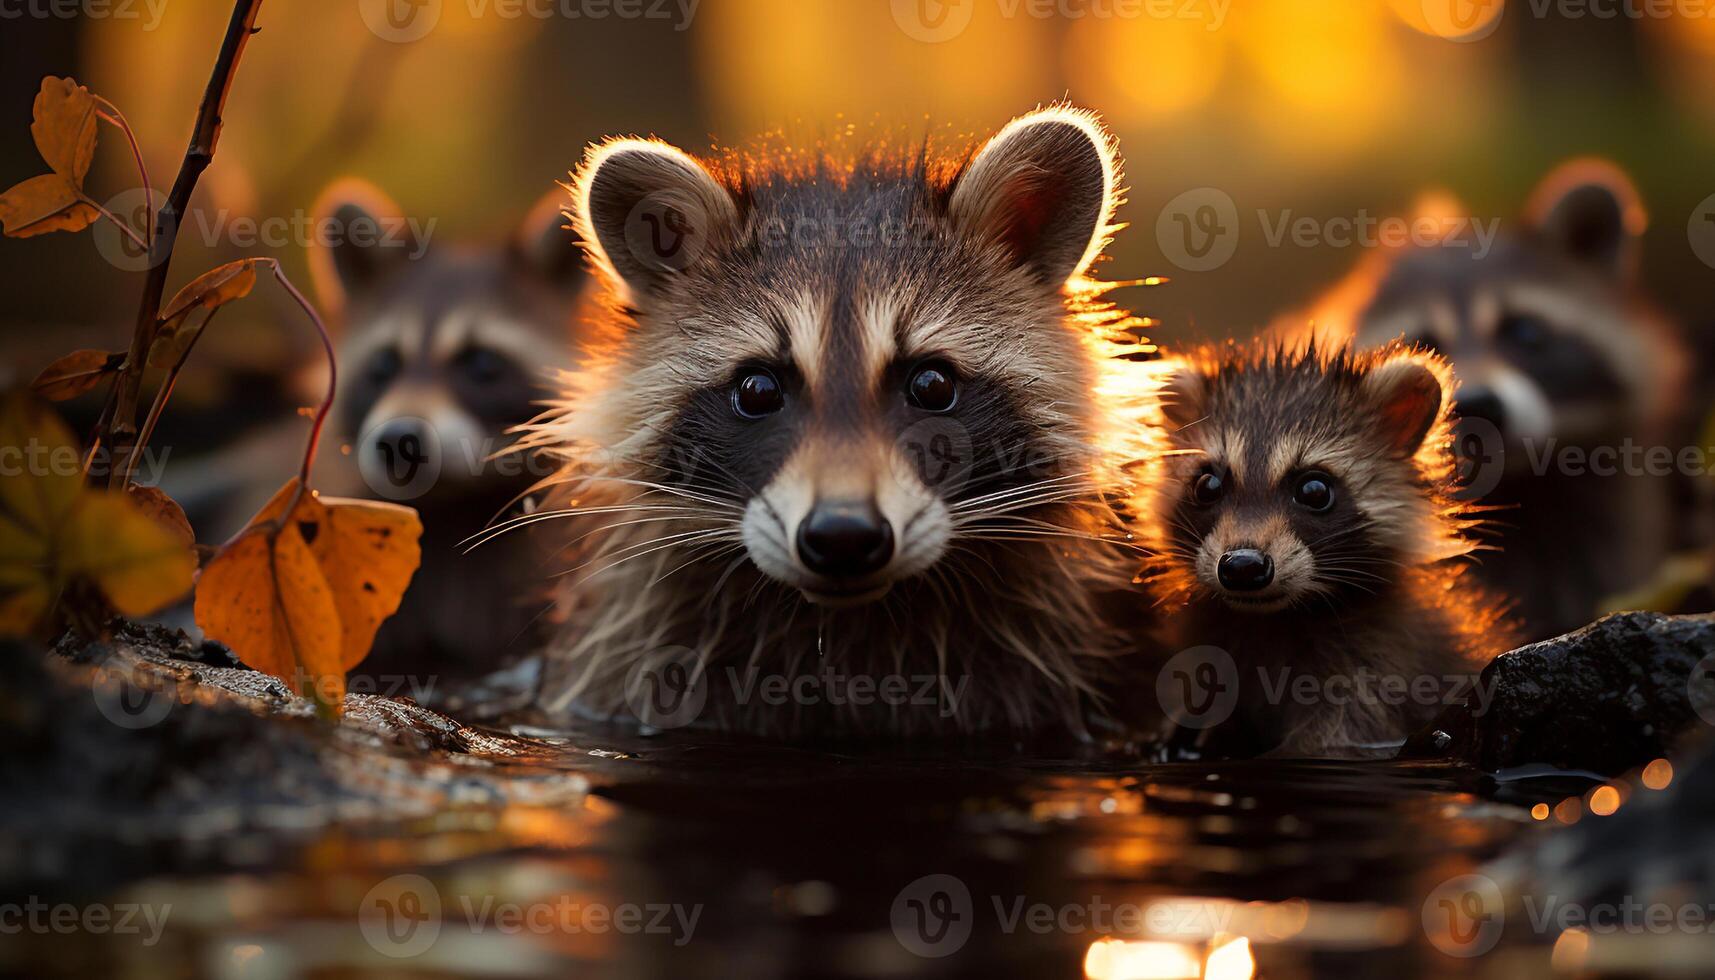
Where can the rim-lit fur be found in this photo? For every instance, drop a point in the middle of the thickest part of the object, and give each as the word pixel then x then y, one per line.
pixel 1376 583
pixel 679 522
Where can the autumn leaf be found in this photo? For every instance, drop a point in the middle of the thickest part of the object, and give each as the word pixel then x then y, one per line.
pixel 209 291
pixel 301 595
pixel 164 510
pixel 41 205
pixel 55 531
pixel 64 128
pixel 75 373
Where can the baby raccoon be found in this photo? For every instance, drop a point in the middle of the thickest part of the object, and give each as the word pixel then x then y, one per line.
pixel 843 424
pixel 1304 524
pixel 443 349
pixel 1559 358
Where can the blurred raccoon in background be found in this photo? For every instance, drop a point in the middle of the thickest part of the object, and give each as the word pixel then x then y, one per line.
pixel 442 350
pixel 1567 380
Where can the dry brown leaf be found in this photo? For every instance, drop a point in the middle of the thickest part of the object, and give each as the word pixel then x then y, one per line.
pixel 364 554
pixel 75 373
pixel 209 291
pixel 164 511
pixel 41 205
pixel 64 128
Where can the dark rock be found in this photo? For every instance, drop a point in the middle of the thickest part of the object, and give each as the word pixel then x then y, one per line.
pixel 1606 698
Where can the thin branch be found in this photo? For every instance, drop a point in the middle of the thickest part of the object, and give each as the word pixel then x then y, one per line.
pixel 141 243
pixel 197 157
pixel 161 396
pixel 111 115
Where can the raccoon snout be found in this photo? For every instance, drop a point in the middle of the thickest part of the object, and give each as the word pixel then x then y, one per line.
pixel 1245 570
pixel 845 539
pixel 1482 403
pixel 407 439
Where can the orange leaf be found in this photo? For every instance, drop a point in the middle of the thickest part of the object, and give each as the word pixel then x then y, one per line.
pixel 140 565
pixel 362 554
pixel 266 598
pixel 75 373
pixel 43 204
pixel 64 128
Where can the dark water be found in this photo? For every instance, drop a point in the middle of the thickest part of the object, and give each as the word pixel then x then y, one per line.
pixel 690 857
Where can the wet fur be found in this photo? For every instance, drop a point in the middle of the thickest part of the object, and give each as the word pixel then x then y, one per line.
pixel 1381 584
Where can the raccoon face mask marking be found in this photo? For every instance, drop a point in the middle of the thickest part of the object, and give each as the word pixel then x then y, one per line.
pixel 866 362
pixel 1299 477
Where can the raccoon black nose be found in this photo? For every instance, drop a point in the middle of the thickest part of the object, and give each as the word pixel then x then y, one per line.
pixel 404 439
pixel 1481 403
pixel 845 539
pixel 1245 570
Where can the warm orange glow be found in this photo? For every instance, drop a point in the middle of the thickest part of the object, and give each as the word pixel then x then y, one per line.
pixel 1145 68
pixel 1658 774
pixel 1118 959
pixel 1231 961
pixel 1604 801
pixel 1568 811
pixel 1571 949
pixel 1539 812
pixel 1450 19
pixel 1332 72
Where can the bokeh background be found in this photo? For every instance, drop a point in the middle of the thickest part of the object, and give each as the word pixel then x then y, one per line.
pixel 1323 107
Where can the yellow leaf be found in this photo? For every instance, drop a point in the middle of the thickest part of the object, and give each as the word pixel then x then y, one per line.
pixel 140 565
pixel 64 127
pixel 43 204
pixel 266 598
pixel 41 472
pixel 75 373
pixel 209 291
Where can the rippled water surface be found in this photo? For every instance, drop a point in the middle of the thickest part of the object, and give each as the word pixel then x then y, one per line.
pixel 692 857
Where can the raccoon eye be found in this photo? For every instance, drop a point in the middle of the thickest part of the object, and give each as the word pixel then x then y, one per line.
pixel 383 366
pixel 1523 330
pixel 1208 488
pixel 932 387
pixel 1314 492
pixel 757 394
pixel 481 364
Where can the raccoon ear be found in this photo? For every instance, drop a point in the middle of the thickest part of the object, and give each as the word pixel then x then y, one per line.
pixel 363 237
pixel 1045 187
pixel 546 247
pixel 1407 392
pixel 1181 398
pixel 1589 211
pixel 647 211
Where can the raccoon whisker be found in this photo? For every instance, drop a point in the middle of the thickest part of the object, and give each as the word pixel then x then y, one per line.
pixel 697 555
pixel 664 545
pixel 972 502
pixel 650 546
pixel 488 534
pixel 664 488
